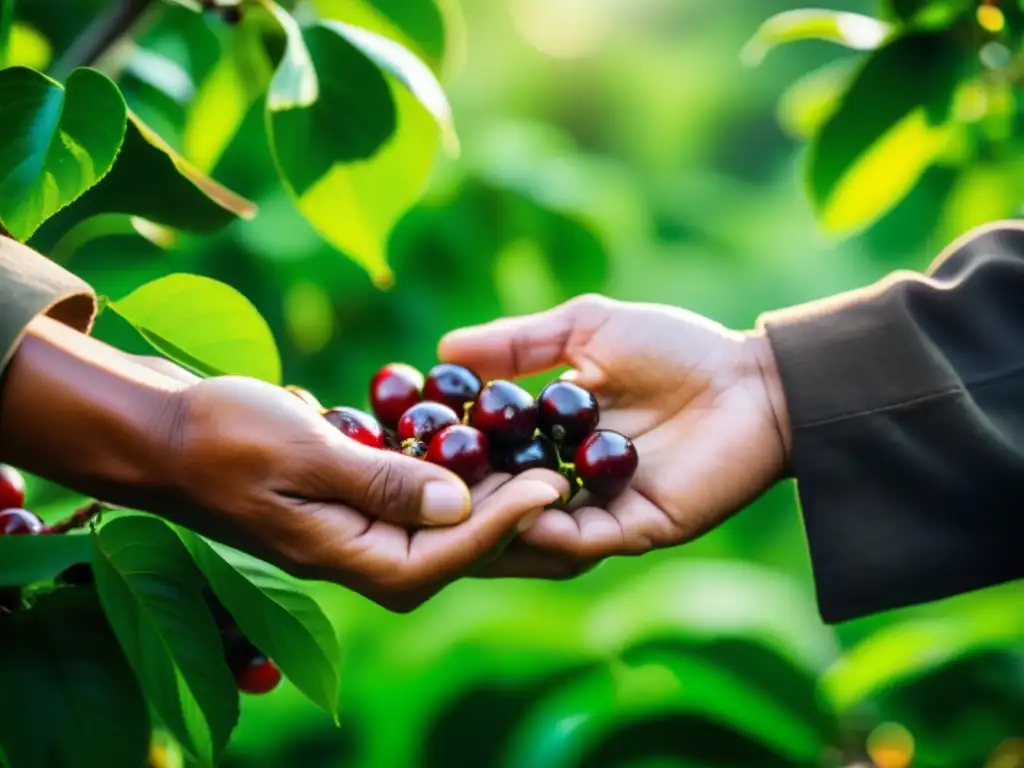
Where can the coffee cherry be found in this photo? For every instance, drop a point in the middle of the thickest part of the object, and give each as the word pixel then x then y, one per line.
pixel 15 522
pixel 539 453
pixel 12 487
pixel 453 385
pixel 305 396
pixel 462 450
pixel 394 390
pixel 566 412
pixel 606 462
pixel 261 676
pixel 253 671
pixel 356 424
pixel 79 574
pixel 424 420
pixel 505 412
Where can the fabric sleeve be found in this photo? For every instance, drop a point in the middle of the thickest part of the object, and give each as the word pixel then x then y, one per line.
pixel 906 402
pixel 31 285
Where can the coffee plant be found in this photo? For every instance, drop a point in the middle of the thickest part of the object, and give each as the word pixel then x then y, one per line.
pixel 128 636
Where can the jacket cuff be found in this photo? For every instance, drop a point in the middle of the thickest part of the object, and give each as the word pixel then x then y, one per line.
pixel 32 285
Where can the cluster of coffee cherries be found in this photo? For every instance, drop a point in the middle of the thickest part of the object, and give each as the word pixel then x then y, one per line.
pixel 253 671
pixel 452 418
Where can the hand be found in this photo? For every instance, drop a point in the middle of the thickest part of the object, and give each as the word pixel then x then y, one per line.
pixel 702 404
pixel 251 465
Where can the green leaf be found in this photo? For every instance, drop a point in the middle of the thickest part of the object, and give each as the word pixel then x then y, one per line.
pixel 678 708
pixel 872 150
pixel 225 97
pixel 6 25
pixel 27 559
pixel 153 182
pixel 355 205
pixel 152 594
pixel 58 142
pixel 276 616
pixel 810 101
pixel 203 324
pixel 73 700
pixel 854 30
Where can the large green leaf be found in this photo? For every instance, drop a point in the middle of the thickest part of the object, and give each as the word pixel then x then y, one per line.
pixel 853 30
pixel 70 698
pixel 57 142
pixel 6 25
pixel 678 708
pixel 810 101
pixel 273 612
pixel 203 324
pixel 152 594
pixel 349 187
pixel 152 181
pixel 25 559
pixel 883 136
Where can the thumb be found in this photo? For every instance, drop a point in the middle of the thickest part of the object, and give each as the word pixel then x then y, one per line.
pixel 389 486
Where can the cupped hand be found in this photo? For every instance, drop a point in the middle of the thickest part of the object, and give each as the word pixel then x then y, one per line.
pixel 702 404
pixel 257 468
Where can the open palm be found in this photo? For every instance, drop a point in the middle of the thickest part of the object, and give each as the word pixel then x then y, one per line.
pixel 688 392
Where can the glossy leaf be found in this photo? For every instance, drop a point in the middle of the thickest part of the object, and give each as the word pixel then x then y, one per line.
pixel 27 559
pixel 153 182
pixel 72 700
pixel 6 27
pixel 810 101
pixel 853 30
pixel 152 595
pixel 276 615
pixel 875 146
pixel 203 324
pixel 59 141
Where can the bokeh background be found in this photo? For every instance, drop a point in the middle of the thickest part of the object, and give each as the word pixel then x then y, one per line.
pixel 617 146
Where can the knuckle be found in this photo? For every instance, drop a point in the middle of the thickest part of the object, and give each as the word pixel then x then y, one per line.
pixel 587 302
pixel 386 488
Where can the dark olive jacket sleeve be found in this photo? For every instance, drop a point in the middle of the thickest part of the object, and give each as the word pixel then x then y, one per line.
pixel 906 402
pixel 31 285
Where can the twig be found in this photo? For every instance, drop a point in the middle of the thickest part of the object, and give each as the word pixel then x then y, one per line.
pixel 99 36
pixel 77 519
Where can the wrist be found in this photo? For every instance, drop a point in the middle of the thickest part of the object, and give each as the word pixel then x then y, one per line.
pixel 769 381
pixel 80 413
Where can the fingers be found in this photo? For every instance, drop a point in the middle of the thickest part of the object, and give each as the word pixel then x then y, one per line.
pixel 167 368
pixel 383 485
pixel 521 346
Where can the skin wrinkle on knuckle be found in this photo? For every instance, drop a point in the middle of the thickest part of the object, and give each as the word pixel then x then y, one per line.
pixel 385 488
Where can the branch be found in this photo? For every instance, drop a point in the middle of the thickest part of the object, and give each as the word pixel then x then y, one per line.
pixel 78 519
pixel 100 35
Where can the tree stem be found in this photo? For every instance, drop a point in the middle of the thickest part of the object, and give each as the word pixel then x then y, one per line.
pixel 100 35
pixel 77 519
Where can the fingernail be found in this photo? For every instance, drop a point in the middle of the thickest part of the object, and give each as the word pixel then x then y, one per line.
pixel 528 520
pixel 444 503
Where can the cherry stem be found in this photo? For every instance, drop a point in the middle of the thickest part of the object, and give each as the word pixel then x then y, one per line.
pixel 80 518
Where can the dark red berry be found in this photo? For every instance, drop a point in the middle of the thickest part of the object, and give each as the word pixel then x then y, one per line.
pixel 12 487
pixel 261 676
pixel 394 390
pixel 453 385
pixel 356 424
pixel 505 412
pixel 424 420
pixel 14 522
pixel 79 574
pixel 566 412
pixel 417 449
pixel 462 450
pixel 539 453
pixel 305 396
pixel 606 462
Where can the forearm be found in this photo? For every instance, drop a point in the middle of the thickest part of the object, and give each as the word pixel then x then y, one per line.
pixel 908 429
pixel 77 411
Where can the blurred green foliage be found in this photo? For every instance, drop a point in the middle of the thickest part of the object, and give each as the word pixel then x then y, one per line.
pixel 618 146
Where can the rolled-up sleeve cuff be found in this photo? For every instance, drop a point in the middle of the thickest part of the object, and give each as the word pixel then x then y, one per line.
pixel 32 285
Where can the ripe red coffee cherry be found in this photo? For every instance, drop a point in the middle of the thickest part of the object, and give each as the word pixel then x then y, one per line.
pixel 356 424
pixel 394 390
pixel 260 676
pixel 505 412
pixel 254 672
pixel 424 420
pixel 462 450
pixel 16 522
pixel 12 487
pixel 539 453
pixel 452 385
pixel 606 462
pixel 566 412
